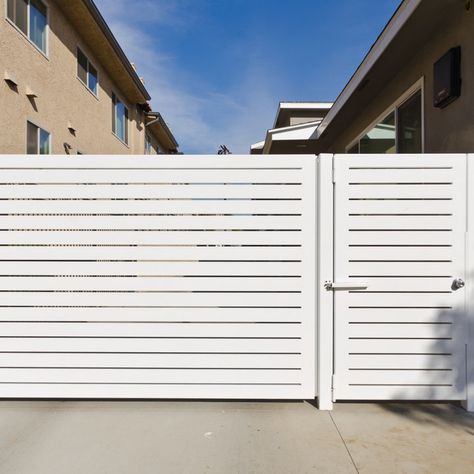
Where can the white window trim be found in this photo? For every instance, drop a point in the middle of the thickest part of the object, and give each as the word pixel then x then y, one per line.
pixel 27 35
pixel 117 97
pixel 96 95
pixel 50 138
pixel 418 86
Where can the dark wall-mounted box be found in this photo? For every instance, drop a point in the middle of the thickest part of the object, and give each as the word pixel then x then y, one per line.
pixel 447 78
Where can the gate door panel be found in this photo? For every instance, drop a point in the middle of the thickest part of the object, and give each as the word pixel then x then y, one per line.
pixel 400 226
pixel 157 277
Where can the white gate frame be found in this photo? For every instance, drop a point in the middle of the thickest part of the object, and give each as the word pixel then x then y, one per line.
pixel 325 273
pixel 469 403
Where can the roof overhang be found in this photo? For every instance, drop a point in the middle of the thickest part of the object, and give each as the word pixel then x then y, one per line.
pixel 159 128
pixel 303 106
pixel 398 20
pixel 86 19
pixel 296 133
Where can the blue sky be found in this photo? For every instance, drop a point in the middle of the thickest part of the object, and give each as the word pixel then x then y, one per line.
pixel 217 69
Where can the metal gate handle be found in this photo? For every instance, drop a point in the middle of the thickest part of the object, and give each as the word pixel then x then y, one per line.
pixel 348 285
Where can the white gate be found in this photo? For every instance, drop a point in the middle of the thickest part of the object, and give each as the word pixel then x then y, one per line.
pixel 400 322
pixel 157 277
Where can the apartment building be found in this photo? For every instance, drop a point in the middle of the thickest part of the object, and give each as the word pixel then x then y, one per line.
pixel 66 86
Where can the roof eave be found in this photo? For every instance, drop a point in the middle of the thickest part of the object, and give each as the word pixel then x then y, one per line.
pixel 94 11
pixel 398 20
pixel 161 122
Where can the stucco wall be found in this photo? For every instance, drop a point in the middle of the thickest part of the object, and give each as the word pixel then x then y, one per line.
pixel 62 97
pixel 449 130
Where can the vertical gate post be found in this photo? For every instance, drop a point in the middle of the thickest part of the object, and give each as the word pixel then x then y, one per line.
pixel 469 403
pixel 325 260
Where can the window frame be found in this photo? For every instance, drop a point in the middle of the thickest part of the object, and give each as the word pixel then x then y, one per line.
pixel 115 99
pixel 27 34
pixel 418 86
pixel 39 127
pixel 148 140
pixel 89 63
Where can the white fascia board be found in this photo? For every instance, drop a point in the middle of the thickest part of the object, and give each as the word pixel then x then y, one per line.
pixel 389 33
pixel 301 106
pixel 306 105
pixel 303 132
pixel 257 146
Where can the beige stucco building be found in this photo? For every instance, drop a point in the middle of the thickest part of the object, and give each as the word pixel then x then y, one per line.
pixel 392 102
pixel 67 87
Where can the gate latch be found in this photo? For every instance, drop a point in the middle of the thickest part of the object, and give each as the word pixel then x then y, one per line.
pixel 458 284
pixel 348 285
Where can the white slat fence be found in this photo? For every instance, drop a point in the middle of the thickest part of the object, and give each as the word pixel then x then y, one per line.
pixel 157 277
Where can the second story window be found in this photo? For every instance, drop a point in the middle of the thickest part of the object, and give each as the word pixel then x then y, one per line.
pixel 31 17
pixel 86 72
pixel 38 141
pixel 119 119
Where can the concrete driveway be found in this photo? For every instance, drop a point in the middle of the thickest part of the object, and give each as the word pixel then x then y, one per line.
pixel 232 438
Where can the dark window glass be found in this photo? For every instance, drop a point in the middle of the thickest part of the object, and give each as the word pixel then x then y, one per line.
pixel 44 142
pixel 92 83
pixel 38 23
pixel 32 139
pixel 381 139
pixel 114 125
pixel 17 11
pixel 82 66
pixel 409 129
pixel 119 119
pixel 126 125
pixel 38 141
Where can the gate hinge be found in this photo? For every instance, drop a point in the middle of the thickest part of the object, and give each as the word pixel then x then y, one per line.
pixel 333 387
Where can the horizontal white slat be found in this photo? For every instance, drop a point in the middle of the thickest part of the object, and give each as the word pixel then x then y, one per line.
pixel 400 392
pixel 216 391
pixel 229 285
pixel 402 377
pixel 150 376
pixel 399 253
pixel 151 207
pixel 401 268
pixel 151 223
pixel 151 314
pixel 417 162
pixel 125 191
pixel 261 254
pixel 400 238
pixel 144 330
pixel 150 299
pixel 428 191
pixel 236 237
pixel 402 362
pixel 401 346
pixel 427 283
pixel 397 314
pixel 222 174
pixel 151 269
pixel 143 345
pixel 401 207
pixel 387 300
pixel 401 175
pixel 425 330
pixel 197 361
pixel 400 222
